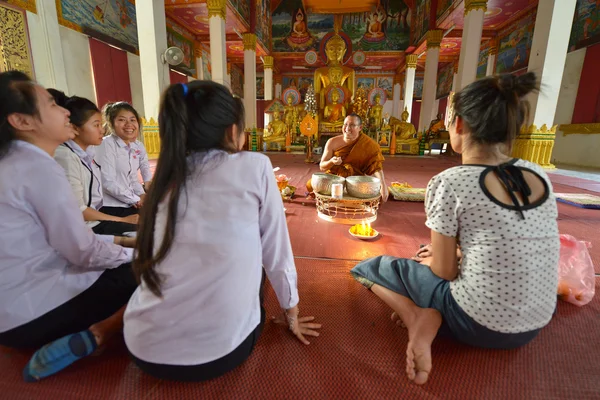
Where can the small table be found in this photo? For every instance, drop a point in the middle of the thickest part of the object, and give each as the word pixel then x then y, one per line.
pixel 348 210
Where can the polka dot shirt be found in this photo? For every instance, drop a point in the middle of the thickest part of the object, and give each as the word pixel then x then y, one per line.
pixel 509 273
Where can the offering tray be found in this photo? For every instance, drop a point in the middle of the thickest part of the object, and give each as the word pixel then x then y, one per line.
pixel 348 210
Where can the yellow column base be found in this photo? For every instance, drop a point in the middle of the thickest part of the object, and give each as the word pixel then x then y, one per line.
pixel 535 145
pixel 151 138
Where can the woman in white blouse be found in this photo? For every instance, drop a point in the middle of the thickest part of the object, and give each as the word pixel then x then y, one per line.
pixel 62 286
pixel 120 156
pixel 212 220
pixel 83 173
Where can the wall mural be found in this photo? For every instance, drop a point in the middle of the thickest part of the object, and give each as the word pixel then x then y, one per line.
pixel 206 66
pixel 187 46
pixel 15 53
pixel 421 20
pixel 444 83
pixel 586 24
pixel 260 87
pixel 114 18
pixel 386 83
pixel 482 63
pixel 263 22
pixel 383 29
pixel 418 90
pixel 243 8
pixel 237 81
pixel 515 45
pixel 299 82
pixel 28 5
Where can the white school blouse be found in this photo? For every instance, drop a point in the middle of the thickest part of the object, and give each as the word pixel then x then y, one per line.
pixel 83 174
pixel 231 223
pixel 47 253
pixel 119 164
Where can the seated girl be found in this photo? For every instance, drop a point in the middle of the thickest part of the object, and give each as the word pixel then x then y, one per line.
pixel 76 158
pixel 502 213
pixel 120 156
pixel 62 287
pixel 212 220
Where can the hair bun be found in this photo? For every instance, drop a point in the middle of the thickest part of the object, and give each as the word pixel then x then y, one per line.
pixel 519 86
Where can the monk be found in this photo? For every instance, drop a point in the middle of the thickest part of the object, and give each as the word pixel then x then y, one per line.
pixel 353 153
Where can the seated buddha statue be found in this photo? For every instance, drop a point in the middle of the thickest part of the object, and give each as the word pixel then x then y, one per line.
pixel 376 113
pixel 276 131
pixel 406 140
pixel 334 113
pixel 334 74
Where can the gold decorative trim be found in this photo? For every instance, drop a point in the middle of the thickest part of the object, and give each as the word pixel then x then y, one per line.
pixel 533 130
pixel 434 38
pixel 15 50
pixel 411 61
pixel 580 129
pixel 472 5
pixel 217 8
pixel 63 21
pixel 268 62
pixel 249 40
pixel 28 5
pixel 535 144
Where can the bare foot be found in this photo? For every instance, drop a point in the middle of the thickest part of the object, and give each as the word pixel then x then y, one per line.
pixel 396 318
pixel 422 329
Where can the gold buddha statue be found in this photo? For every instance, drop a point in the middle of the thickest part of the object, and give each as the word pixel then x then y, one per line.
pixel 376 113
pixel 276 131
pixel 291 113
pixel 334 113
pixel 406 140
pixel 334 74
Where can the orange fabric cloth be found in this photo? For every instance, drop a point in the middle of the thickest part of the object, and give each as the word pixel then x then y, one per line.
pixel 336 113
pixel 363 157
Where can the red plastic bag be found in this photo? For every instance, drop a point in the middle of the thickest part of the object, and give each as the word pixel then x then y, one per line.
pixel 576 278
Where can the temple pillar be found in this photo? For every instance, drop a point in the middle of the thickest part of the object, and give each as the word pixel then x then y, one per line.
pixel 217 11
pixel 548 55
pixel 471 42
pixel 491 62
pixel 278 86
pixel 434 39
pixel 198 55
pixel 268 82
pixel 409 86
pixel 396 96
pixel 152 34
pixel 250 79
pixel 46 47
pixel 455 78
pixel 228 78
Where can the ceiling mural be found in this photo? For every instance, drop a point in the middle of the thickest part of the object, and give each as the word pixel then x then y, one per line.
pixel 421 15
pixel 194 17
pixel 498 14
pixel 586 25
pixel 514 45
pixel 242 7
pixel 263 22
pixel 445 78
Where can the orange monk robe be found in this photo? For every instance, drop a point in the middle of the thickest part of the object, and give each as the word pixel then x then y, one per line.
pixel 362 157
pixel 336 113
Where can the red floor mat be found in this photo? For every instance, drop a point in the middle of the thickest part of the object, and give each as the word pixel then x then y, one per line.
pixel 359 355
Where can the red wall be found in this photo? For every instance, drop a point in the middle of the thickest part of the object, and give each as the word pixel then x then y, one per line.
pixel 587 104
pixel 111 73
pixel 443 106
pixel 416 113
pixel 177 78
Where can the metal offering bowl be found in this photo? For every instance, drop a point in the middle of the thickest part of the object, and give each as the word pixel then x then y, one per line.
pixel 363 187
pixel 321 182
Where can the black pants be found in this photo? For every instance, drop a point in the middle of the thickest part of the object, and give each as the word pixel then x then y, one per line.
pixel 119 211
pixel 105 297
pixel 210 370
pixel 113 228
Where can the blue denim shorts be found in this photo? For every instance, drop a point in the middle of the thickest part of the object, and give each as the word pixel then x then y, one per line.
pixel 416 281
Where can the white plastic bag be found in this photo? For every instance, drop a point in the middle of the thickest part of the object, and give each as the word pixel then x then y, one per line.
pixel 576 279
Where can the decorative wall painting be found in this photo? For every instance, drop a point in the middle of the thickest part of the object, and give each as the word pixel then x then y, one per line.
pixel 586 24
pixel 15 50
pixel 237 81
pixel 206 66
pixel 365 83
pixel 418 89
pixel 515 45
pixel 263 22
pixel 260 87
pixel 482 63
pixel 386 83
pixel 187 46
pixel 444 83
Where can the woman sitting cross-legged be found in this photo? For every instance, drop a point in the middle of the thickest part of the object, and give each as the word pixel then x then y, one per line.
pixel 212 220
pixel 76 158
pixel 62 286
pixel 499 289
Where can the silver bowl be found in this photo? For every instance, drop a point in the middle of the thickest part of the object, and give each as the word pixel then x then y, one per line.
pixel 321 182
pixel 363 187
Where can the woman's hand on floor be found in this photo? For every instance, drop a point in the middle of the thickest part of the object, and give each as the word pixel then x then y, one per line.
pixel 423 253
pixel 300 326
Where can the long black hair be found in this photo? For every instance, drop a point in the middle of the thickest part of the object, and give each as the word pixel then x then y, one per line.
pixel 194 117
pixel 110 112
pixel 17 95
pixel 493 108
pixel 81 109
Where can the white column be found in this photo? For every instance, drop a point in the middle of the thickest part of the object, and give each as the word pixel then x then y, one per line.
pixel 455 79
pixel 152 34
pixel 396 96
pixel 471 42
pixel 409 86
pixel 229 75
pixel 434 39
pixel 198 55
pixel 278 90
pixel 548 55
pixel 268 81
pixel 217 11
pixel 491 62
pixel 250 79
pixel 46 47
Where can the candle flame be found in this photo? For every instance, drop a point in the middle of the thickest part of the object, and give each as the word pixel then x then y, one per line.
pixel 363 229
